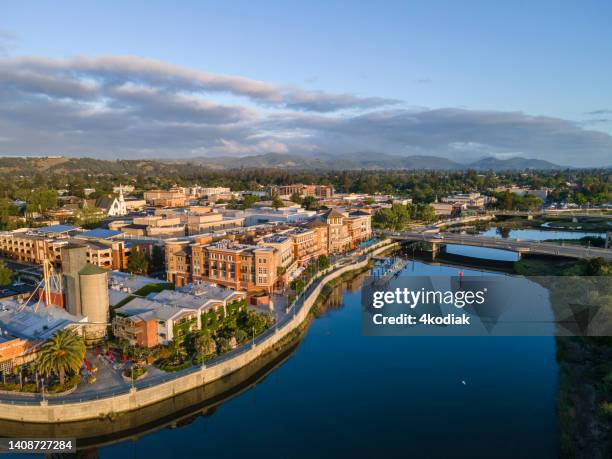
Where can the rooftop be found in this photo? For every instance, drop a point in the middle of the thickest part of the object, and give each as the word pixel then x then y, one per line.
pixel 99 233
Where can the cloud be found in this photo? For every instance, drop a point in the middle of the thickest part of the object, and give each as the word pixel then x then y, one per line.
pixel 603 111
pixel 125 106
pixel 109 71
pixel 7 41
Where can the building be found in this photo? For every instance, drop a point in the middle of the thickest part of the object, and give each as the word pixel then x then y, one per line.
pixel 469 200
pixel 267 256
pixel 161 198
pixel 123 189
pixel 225 262
pixel 445 209
pixel 23 328
pixel 198 222
pixel 286 191
pixel 134 204
pixel 289 215
pixel 86 291
pixel 113 206
pixel 36 245
pixel 236 266
pixel 148 322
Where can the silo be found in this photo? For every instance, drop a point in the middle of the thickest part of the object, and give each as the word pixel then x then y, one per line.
pixel 94 301
pixel 74 258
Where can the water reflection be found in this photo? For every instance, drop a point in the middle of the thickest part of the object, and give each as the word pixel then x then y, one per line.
pixel 341 394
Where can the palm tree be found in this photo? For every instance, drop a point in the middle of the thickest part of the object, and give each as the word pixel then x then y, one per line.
pixel 64 352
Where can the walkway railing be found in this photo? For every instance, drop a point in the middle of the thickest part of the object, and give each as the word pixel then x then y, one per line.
pixel 293 309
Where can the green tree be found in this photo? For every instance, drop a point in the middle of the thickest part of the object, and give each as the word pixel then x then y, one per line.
pixel 6 275
pixel 428 213
pixel 63 353
pixel 395 217
pixel 297 198
pixel 323 262
pixel 157 259
pixel 248 201
pixel 138 262
pixel 277 202
pixel 310 203
pixel 205 346
pixel 177 349
pixel 507 201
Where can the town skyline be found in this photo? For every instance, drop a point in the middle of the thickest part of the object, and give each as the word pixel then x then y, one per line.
pixel 106 91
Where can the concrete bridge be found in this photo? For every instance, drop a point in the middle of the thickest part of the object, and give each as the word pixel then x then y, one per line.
pixel 518 246
pixel 571 213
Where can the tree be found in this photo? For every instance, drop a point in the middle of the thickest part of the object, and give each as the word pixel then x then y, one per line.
pixel 368 201
pixel 428 213
pixel 205 346
pixel 396 217
pixel 138 262
pixel 507 201
pixel 63 353
pixel 310 203
pixel 323 262
pixel 6 275
pixel 177 350
pixel 298 285
pixel 157 259
pixel 248 201
pixel 296 197
pixel 277 202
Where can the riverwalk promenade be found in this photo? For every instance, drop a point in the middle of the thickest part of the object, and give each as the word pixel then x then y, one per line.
pixel 77 407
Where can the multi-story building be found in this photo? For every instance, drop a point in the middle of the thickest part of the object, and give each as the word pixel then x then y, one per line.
pixel 290 215
pixel 286 263
pixel 318 191
pixel 237 266
pixel 148 322
pixel 307 242
pixel 166 198
pixel 269 257
pixel 470 200
pixel 34 246
pixel 199 223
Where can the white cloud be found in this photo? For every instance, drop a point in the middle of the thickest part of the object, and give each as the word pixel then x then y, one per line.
pixel 126 106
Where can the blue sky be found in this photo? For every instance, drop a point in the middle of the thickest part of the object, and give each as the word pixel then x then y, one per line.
pixel 457 79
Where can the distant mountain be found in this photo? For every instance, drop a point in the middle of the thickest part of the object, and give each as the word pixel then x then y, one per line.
pixel 361 160
pixel 367 160
pixel 14 166
pixel 494 164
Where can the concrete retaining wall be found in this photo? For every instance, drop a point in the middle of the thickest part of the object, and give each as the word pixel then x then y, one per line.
pixel 138 398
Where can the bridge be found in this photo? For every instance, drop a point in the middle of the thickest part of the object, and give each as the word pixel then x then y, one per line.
pixel 519 246
pixel 570 213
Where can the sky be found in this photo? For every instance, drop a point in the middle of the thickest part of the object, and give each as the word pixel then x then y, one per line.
pixel 462 80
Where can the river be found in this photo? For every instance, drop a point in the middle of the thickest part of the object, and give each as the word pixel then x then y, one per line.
pixel 345 395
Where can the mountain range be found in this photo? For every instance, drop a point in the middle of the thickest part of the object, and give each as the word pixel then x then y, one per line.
pixel 15 166
pixel 372 161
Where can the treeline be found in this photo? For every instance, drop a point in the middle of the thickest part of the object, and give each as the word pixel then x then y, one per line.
pixel 398 216
pixel 31 175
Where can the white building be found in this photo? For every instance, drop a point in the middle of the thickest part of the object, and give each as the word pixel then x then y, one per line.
pixel 258 216
pixel 112 206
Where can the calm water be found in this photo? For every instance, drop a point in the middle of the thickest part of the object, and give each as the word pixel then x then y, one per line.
pixel 345 395
pixel 539 235
pixel 524 234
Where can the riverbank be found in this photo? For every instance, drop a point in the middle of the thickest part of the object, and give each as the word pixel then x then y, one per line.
pixel 585 375
pixel 136 398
